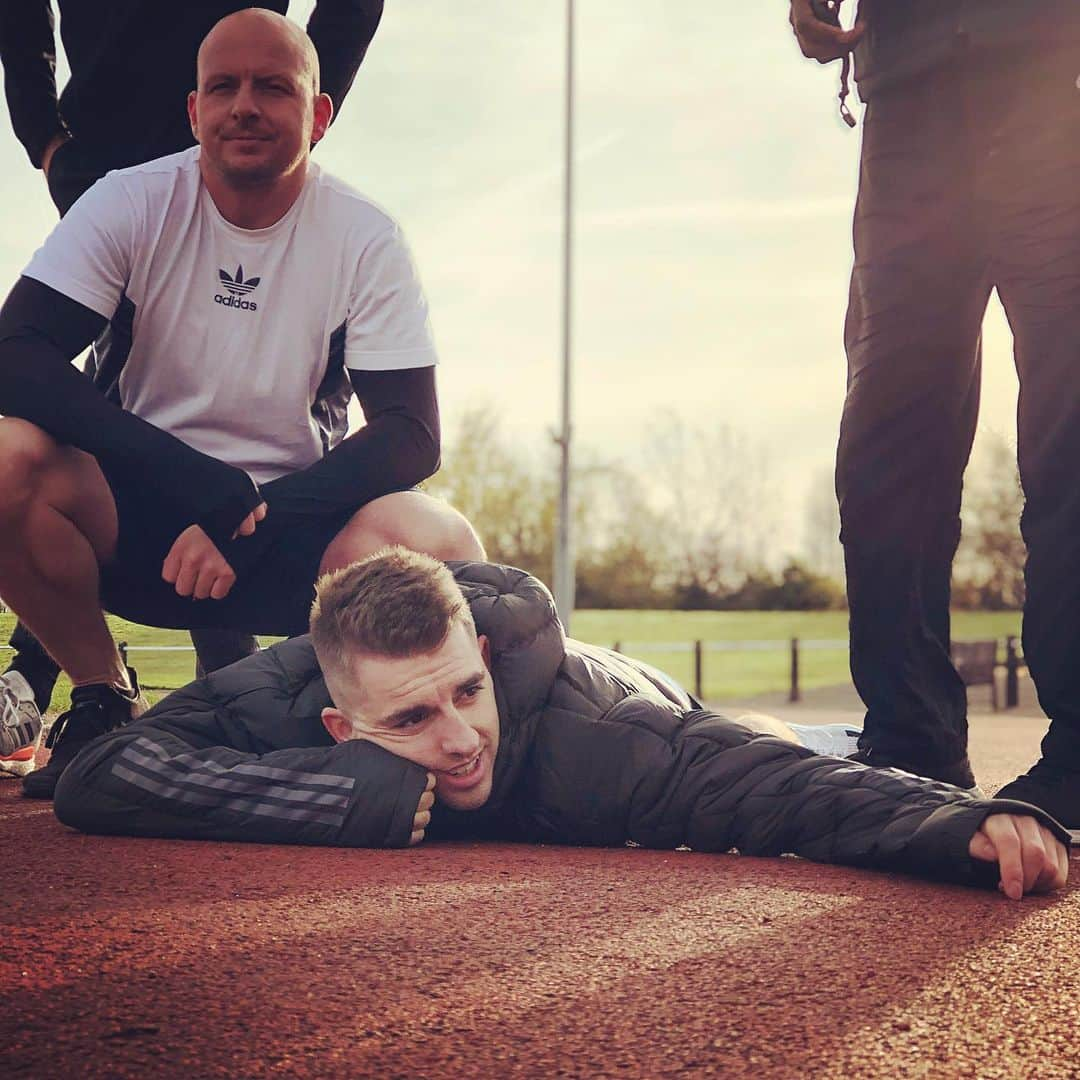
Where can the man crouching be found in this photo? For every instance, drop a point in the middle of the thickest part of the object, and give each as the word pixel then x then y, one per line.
pixel 451 705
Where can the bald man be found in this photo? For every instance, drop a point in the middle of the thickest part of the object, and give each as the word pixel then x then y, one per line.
pixel 257 294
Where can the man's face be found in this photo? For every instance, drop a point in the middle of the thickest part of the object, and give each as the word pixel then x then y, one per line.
pixel 436 709
pixel 255 112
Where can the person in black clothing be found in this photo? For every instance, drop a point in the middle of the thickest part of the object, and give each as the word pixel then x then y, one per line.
pixel 434 705
pixel 970 154
pixel 132 63
pixel 224 484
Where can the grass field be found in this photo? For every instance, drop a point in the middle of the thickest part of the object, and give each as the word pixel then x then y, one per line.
pixel 662 638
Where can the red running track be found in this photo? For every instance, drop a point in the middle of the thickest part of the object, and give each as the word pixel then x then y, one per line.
pixel 134 958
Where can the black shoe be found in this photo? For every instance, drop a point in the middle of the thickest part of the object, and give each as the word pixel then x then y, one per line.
pixel 1051 788
pixel 95 709
pixel 958 773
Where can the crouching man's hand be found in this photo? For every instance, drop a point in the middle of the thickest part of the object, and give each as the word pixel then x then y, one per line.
pixel 195 565
pixel 1029 856
pixel 423 811
pixel 196 568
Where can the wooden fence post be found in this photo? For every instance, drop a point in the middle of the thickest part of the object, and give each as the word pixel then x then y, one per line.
pixel 1012 674
pixel 794 695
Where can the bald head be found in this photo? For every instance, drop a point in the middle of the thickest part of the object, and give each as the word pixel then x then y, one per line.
pixel 280 38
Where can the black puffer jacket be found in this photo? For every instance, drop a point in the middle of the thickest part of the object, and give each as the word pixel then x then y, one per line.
pixel 907 38
pixel 594 749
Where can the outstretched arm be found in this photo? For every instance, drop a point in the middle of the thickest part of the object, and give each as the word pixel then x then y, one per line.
pixel 705 781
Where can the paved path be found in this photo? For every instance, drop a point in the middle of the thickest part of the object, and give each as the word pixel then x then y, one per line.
pixel 136 958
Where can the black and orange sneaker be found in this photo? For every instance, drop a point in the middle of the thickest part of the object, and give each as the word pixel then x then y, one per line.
pixel 96 708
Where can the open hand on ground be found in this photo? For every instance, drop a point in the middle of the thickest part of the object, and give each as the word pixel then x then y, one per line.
pixel 1030 857
pixel 423 811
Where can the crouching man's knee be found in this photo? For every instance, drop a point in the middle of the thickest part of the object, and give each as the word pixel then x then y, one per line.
pixel 26 453
pixel 411 519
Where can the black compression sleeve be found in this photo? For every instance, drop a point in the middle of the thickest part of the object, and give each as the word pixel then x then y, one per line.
pixel 41 330
pixel 341 31
pixel 398 447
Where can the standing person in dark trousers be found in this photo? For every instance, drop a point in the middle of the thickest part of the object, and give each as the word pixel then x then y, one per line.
pixel 132 64
pixel 968 182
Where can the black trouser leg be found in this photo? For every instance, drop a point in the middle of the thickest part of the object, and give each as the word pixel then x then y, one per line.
pixel 918 293
pixel 1032 194
pixel 35 665
pixel 216 649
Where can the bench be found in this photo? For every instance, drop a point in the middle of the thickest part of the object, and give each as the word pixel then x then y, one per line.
pixel 976 662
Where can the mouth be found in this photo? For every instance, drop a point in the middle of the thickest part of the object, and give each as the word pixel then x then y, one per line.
pixel 465 775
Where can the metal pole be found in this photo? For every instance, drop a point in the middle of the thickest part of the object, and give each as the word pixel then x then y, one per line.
pixel 563 570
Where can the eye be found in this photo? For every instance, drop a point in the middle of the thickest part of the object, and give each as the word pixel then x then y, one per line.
pixel 472 690
pixel 413 720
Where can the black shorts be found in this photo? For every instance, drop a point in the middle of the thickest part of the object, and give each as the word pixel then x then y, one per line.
pixel 276 568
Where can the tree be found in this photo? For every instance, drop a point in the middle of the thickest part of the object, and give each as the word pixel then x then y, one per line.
pixel 989 567
pixel 712 487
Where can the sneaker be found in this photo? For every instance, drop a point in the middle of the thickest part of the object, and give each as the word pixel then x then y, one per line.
pixel 20 725
pixel 1051 788
pixel 95 709
pixel 958 773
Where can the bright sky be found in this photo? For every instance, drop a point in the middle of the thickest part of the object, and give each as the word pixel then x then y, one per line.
pixel 715 183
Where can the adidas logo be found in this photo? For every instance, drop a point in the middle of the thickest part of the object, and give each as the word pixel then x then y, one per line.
pixel 237 288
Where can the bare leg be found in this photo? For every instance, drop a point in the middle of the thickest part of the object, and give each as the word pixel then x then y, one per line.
pixel 410 518
pixel 59 523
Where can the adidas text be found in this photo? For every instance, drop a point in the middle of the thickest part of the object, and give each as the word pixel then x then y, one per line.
pixel 235 302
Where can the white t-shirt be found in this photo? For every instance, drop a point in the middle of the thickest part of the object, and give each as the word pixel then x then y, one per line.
pixel 240 337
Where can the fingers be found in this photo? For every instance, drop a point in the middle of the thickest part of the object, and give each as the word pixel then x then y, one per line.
pixel 1001 828
pixel 819 40
pixel 195 567
pixel 1030 858
pixel 422 818
pixel 247 526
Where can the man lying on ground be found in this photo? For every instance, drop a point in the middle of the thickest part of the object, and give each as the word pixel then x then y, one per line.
pixel 458 709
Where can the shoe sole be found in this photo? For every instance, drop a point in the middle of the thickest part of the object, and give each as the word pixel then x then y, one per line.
pixel 15 767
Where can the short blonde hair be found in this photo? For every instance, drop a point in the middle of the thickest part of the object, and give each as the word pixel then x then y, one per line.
pixel 395 603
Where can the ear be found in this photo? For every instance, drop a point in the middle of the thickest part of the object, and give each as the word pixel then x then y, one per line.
pixel 192 114
pixel 324 111
pixel 338 724
pixel 485 649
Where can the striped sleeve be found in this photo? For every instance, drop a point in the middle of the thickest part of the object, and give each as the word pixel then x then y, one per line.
pixel 139 781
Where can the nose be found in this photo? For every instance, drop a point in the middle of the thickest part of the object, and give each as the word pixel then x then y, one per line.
pixel 244 102
pixel 457 738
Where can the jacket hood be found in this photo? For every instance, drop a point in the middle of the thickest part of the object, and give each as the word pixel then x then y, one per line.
pixel 516 613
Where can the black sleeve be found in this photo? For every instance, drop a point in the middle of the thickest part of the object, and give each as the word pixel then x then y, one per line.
pixel 41 331
pixel 341 31
pixel 397 447
pixel 713 785
pixel 28 53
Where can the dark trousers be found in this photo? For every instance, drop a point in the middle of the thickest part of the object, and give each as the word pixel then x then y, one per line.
pixel 969 181
pixel 71 172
